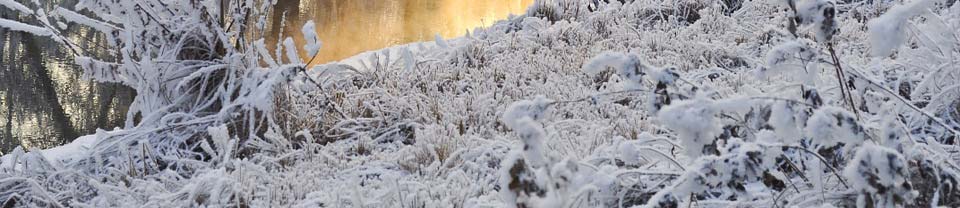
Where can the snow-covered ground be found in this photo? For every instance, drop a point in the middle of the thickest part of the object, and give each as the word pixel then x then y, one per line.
pixel 645 103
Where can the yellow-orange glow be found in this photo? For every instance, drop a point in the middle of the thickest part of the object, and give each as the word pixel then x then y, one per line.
pixel 349 27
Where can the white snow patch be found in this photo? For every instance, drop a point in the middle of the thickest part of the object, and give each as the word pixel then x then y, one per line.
pixel 887 32
pixel 533 109
pixel 77 148
pixel 291 50
pixel 830 126
pixel 440 41
pixel 627 66
pixel 19 26
pixel 694 122
pixel 313 41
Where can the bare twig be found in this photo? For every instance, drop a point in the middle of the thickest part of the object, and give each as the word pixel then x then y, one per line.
pixel 664 155
pixel 847 96
pixel 785 100
pixel 322 91
pixel 956 135
pixel 584 99
pixel 640 172
pixel 825 162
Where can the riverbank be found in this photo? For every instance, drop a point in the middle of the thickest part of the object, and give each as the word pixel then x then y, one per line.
pixel 579 104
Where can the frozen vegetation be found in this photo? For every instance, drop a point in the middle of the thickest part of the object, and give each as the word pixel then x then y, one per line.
pixel 577 103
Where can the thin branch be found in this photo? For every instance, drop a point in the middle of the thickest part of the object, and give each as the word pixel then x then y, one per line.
pixel 847 96
pixel 785 100
pixel 322 91
pixel 590 98
pixel 145 12
pixel 664 155
pixel 832 169
pixel 641 172
pixel 956 135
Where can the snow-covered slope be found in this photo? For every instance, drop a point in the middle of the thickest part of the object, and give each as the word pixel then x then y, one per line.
pixel 645 103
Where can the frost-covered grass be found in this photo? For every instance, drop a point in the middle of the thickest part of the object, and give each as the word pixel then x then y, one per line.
pixel 645 103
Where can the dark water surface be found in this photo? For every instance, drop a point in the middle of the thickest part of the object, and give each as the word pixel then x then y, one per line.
pixel 43 100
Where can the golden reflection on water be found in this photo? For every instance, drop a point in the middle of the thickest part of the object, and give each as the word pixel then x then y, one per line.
pixel 349 27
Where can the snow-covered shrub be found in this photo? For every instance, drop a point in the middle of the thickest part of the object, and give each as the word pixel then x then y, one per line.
pixel 434 124
pixel 922 87
pixel 519 183
pixel 888 31
pixel 882 176
pixel 790 125
pixel 731 6
pixel 695 123
pixel 633 72
pixel 832 126
pixel 742 171
pixel 529 178
pixel 821 15
pixel 627 66
pixel 817 15
pixel 557 10
pixel 792 58
pixel 935 184
pixel 205 88
pixel 313 42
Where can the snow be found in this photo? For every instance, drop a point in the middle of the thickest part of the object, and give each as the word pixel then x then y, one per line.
pixel 63 154
pixel 888 32
pixel 782 119
pixel 11 4
pixel 440 41
pixel 882 173
pixel 791 59
pixel 694 122
pixel 291 51
pixel 313 41
pixel 77 148
pixel 18 26
pixel 533 136
pixel 100 71
pixel 261 48
pixel 521 117
pixel 212 7
pixel 628 66
pixel 409 61
pixel 71 16
pixel 830 126
pixel 666 75
pixel 506 177
pixel 629 153
pixel 577 104
pixel 533 109
pixel 820 14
